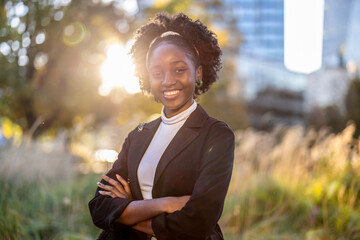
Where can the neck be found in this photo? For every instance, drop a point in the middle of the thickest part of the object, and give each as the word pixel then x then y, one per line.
pixel 173 112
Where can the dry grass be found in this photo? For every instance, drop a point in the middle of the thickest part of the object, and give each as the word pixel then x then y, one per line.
pixel 294 184
pixel 30 162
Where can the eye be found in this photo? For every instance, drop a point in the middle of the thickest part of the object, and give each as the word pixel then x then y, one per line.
pixel 180 70
pixel 156 74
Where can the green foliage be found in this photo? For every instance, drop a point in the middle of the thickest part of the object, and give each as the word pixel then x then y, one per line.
pixel 43 210
pixel 63 46
pixel 56 86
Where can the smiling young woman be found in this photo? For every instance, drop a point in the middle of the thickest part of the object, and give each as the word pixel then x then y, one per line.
pixel 177 167
pixel 172 77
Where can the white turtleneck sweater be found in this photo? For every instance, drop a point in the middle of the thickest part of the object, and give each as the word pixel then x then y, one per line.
pixel 162 138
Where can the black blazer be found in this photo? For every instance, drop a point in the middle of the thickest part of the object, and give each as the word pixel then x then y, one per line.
pixel 197 162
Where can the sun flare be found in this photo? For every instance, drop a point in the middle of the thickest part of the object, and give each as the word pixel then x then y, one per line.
pixel 118 71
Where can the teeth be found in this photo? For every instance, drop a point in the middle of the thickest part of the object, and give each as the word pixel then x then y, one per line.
pixel 171 93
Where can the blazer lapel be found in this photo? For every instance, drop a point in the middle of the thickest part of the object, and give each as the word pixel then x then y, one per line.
pixel 187 133
pixel 143 139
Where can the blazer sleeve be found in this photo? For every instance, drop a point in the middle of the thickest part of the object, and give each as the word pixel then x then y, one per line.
pixel 105 210
pixel 198 218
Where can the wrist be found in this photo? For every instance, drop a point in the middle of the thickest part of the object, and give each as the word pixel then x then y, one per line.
pixel 166 204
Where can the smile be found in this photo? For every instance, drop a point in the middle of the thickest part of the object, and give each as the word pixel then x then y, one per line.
pixel 171 93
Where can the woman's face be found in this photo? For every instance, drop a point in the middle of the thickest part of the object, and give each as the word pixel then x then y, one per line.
pixel 172 76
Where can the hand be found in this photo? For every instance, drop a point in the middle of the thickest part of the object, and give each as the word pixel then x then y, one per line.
pixel 175 203
pixel 119 188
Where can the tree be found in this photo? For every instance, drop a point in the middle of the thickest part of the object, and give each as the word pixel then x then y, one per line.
pixel 51 52
pixel 352 103
pixel 329 116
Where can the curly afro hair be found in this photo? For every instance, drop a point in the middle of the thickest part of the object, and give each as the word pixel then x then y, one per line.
pixel 195 39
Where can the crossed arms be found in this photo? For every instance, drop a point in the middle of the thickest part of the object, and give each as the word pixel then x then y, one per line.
pixel 138 214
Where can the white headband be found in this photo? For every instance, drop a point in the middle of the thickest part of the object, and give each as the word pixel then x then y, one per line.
pixel 164 34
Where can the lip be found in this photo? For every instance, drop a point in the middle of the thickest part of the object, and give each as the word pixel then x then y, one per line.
pixel 169 94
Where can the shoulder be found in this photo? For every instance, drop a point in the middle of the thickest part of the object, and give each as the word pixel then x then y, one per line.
pixel 212 129
pixel 216 125
pixel 221 126
pixel 144 127
pixel 220 131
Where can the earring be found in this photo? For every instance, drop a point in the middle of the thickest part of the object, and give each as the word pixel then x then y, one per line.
pixel 199 84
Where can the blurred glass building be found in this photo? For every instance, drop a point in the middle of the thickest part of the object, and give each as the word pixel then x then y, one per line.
pixel 352 46
pixel 260 64
pixel 261 23
pixel 261 60
pixel 336 29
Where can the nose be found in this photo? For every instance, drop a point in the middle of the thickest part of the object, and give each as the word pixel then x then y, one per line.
pixel 169 80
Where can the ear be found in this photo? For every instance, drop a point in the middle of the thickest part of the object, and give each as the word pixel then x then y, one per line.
pixel 199 74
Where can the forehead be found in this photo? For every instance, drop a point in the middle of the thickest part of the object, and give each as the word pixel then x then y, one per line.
pixel 168 53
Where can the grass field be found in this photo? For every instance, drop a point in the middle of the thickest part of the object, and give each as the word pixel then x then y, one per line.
pixel 294 184
pixel 287 184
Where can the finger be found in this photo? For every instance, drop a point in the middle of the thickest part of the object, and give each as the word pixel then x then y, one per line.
pixel 125 185
pixel 107 178
pixel 111 189
pixel 106 187
pixel 110 180
pixel 107 193
pixel 115 183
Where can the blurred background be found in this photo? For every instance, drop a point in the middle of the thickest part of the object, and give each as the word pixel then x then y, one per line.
pixel 290 83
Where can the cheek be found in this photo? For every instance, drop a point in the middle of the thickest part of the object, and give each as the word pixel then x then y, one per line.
pixel 155 87
pixel 192 80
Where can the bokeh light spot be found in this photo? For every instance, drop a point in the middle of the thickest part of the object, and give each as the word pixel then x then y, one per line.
pixel 40 60
pixel 130 6
pixel 122 25
pixel 23 60
pixel 26 42
pixel 105 155
pixel 74 33
pixel 20 9
pixel 21 28
pixel 15 22
pixel 5 48
pixel 15 45
pixel 58 15
pixel 40 38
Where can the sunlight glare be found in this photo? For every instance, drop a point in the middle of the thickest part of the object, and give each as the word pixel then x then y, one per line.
pixel 118 71
pixel 303 35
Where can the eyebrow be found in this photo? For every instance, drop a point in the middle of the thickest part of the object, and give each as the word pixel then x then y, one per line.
pixel 172 63
pixel 176 62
